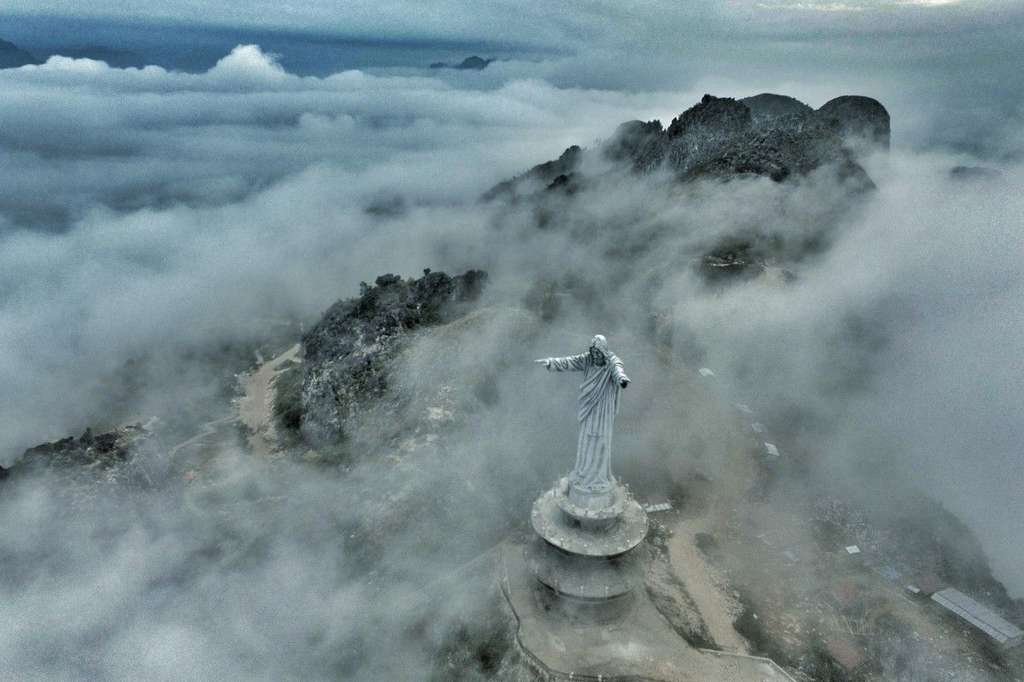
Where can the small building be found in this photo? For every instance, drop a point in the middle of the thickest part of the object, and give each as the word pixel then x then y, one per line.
pixel 980 616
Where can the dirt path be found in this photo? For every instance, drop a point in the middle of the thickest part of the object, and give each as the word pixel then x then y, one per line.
pixel 722 455
pixel 256 406
pixel 706 587
pixel 209 429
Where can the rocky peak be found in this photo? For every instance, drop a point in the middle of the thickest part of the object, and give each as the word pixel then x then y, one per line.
pixel 858 117
pixel 102 450
pixel 718 116
pixel 539 177
pixel 769 107
pixel 639 143
pixel 94 466
pixel 347 352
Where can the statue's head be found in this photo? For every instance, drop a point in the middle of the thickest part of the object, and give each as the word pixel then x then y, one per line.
pixel 599 349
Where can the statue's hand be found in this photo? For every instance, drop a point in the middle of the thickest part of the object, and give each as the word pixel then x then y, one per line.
pixel 544 361
pixel 624 383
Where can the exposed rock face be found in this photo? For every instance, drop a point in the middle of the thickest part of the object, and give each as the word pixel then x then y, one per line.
pixel 857 117
pixel 767 107
pixel 780 153
pixel 722 137
pixel 92 466
pixel 538 177
pixel 103 451
pixel 347 353
pixel 768 135
pixel 699 133
pixel 639 143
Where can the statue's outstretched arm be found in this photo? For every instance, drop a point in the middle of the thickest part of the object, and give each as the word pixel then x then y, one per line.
pixel 570 363
pixel 620 374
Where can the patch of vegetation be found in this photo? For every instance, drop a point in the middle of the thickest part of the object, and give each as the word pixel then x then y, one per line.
pixel 762 643
pixel 821 666
pixel 477 648
pixel 706 543
pixel 473 652
pixel 827 534
pixel 288 399
pixel 658 535
pixel 674 603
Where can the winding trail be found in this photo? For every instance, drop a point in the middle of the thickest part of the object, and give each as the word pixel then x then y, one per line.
pixel 209 429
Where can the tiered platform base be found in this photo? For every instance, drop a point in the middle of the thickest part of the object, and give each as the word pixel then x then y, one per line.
pixel 621 639
pixel 585 553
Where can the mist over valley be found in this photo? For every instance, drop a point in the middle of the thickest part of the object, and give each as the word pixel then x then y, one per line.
pixel 270 303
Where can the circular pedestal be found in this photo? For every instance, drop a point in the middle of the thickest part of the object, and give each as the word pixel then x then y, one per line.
pixel 589 532
pixel 583 578
pixel 586 553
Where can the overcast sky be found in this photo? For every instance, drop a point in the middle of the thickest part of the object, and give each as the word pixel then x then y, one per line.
pixel 948 70
pixel 548 22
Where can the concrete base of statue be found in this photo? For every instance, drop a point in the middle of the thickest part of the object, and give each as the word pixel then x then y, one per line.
pixel 624 638
pixel 584 550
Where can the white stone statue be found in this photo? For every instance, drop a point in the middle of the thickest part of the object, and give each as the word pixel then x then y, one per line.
pixel 603 380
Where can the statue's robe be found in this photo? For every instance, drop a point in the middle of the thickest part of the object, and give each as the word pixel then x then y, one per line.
pixel 598 405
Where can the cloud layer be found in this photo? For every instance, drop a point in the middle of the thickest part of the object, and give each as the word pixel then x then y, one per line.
pixel 154 209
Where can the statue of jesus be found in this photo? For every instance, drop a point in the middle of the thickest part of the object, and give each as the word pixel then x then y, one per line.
pixel 603 379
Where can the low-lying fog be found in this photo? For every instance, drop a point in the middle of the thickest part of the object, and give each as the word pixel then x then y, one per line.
pixel 157 209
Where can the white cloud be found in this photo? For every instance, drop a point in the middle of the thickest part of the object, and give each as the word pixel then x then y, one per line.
pixel 184 208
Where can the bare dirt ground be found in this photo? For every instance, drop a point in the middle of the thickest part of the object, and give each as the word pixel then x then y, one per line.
pixel 706 586
pixel 719 472
pixel 256 406
pixel 751 557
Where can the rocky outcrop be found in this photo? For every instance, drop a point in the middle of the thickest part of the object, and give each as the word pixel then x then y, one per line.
pixel 637 143
pixel 767 135
pixel 103 450
pixel 768 108
pixel 725 138
pixel 540 176
pixel 348 353
pixel 857 119
pixel 780 153
pixel 698 134
pixel 93 466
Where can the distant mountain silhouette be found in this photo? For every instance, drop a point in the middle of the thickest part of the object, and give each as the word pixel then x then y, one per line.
pixel 12 56
pixel 473 63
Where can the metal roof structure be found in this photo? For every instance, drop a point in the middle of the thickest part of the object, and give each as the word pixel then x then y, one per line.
pixel 980 616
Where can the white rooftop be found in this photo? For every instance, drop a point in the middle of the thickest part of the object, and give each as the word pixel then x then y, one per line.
pixel 980 616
